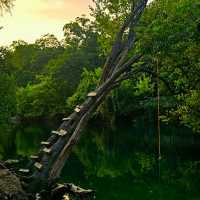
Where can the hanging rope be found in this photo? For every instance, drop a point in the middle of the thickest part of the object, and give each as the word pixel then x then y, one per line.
pixel 158 112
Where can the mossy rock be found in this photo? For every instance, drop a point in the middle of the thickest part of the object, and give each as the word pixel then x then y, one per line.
pixel 10 186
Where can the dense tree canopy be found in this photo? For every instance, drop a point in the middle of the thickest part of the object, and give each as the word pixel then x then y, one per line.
pixel 47 74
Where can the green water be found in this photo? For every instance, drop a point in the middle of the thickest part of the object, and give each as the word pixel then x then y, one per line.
pixel 120 163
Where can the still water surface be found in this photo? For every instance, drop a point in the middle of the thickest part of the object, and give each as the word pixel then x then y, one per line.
pixel 121 164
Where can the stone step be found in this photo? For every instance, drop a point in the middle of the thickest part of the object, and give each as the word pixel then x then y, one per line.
pixel 24 170
pixel 34 157
pixel 38 165
pixel 45 143
pixel 67 119
pixel 47 150
pixel 92 94
pixel 77 109
pixel 61 132
pixel 11 161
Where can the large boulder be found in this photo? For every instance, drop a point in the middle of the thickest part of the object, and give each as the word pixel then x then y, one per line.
pixel 10 186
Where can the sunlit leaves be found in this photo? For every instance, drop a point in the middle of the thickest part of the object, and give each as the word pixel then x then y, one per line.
pixel 41 99
pixel 48 41
pixel 89 80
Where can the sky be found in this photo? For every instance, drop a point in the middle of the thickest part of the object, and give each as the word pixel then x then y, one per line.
pixel 30 19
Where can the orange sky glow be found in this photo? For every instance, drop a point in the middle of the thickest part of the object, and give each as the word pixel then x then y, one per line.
pixel 31 19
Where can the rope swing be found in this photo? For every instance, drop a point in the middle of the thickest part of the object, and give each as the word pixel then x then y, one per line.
pixel 158 112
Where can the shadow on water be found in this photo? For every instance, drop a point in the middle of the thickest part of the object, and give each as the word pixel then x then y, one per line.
pixel 120 164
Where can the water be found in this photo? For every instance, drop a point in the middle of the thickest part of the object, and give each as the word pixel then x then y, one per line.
pixel 120 163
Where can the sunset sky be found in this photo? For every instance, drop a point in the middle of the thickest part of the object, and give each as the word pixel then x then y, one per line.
pixel 32 18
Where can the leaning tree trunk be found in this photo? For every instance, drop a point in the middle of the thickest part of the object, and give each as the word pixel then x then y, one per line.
pixel 49 162
pixel 118 67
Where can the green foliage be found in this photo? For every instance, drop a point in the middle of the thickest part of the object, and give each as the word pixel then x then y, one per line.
pixel 48 41
pixel 89 80
pixel 42 99
pixel 109 15
pixel 30 60
pixel 144 164
pixel 188 111
pixel 48 71
pixel 129 96
pixel 144 86
pixel 170 36
pixel 7 89
pixel 47 74
pixel 7 97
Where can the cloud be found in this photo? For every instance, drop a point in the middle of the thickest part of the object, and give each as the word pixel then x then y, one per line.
pixel 61 9
pixel 31 19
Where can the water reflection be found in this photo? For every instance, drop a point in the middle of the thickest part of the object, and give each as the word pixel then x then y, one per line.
pixel 120 164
